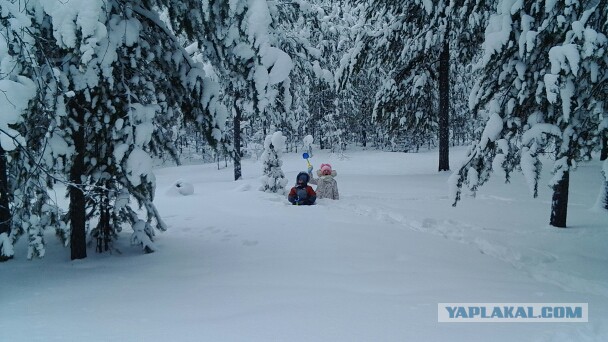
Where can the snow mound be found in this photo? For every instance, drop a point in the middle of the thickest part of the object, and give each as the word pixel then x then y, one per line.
pixel 181 187
pixel 243 187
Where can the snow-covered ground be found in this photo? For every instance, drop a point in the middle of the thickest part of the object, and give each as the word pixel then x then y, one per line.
pixel 241 265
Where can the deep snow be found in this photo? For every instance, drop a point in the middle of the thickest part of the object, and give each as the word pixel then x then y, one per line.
pixel 238 264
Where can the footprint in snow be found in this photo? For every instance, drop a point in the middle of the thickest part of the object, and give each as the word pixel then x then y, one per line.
pixel 228 237
pixel 214 230
pixel 429 223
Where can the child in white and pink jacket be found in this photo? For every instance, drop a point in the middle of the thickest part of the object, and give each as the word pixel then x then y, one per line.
pixel 327 187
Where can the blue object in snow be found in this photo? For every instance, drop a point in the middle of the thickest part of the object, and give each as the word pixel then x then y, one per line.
pixel 306 156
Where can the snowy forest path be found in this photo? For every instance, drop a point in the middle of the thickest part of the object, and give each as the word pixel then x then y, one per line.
pixel 534 261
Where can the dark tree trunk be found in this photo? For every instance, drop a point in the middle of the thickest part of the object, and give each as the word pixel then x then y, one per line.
pixel 444 107
pixel 604 154
pixel 77 199
pixel 237 142
pixel 5 212
pixel 321 139
pixel 604 196
pixel 364 138
pixel 104 229
pixel 559 203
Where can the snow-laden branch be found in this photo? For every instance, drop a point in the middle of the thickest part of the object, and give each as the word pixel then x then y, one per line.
pixel 155 19
pixel 536 131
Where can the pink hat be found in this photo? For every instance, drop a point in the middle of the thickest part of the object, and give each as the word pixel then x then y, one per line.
pixel 326 169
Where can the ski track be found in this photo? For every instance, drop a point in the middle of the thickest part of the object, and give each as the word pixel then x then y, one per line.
pixel 532 261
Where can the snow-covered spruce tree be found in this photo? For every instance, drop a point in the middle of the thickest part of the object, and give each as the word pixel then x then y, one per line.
pixel 416 41
pixel 315 34
pixel 332 108
pixel 464 125
pixel 20 90
pixel 545 80
pixel 296 29
pixel 16 162
pixel 25 206
pixel 273 179
pixel 117 80
pixel 356 105
pixel 333 40
pixel 239 45
pixel 307 144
